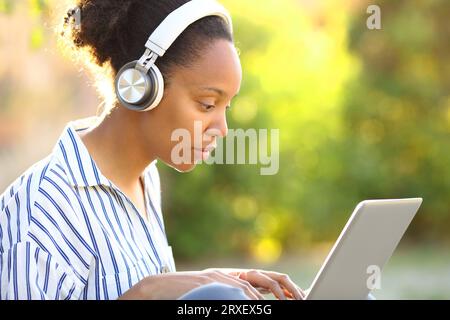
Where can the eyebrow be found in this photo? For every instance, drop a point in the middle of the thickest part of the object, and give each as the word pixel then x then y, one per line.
pixel 216 90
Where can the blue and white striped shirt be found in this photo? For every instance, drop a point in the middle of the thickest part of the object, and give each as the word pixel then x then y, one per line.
pixel 67 232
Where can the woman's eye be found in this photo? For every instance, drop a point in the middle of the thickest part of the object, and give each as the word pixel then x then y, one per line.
pixel 207 106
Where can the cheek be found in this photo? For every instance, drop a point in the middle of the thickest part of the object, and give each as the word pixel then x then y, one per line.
pixel 179 118
pixel 183 116
pixel 187 117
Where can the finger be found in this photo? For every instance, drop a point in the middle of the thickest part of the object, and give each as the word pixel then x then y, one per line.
pixel 250 291
pixel 279 276
pixel 262 290
pixel 250 287
pixel 259 279
pixel 299 290
pixel 287 283
pixel 288 294
pixel 226 278
pixel 240 276
pixel 303 292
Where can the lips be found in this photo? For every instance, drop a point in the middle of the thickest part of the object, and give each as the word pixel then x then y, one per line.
pixel 203 153
pixel 207 148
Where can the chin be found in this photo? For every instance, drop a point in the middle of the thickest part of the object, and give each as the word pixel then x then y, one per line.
pixel 184 167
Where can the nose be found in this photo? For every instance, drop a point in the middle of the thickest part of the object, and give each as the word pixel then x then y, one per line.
pixel 219 126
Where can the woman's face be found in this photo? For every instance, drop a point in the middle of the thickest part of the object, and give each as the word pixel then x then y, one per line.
pixel 197 97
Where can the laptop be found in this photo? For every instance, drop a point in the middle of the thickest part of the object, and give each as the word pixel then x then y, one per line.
pixel 353 267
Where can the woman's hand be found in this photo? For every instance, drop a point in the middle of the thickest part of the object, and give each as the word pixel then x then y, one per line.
pixel 279 284
pixel 173 285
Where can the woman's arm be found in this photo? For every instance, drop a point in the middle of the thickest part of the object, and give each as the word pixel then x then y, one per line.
pixel 174 285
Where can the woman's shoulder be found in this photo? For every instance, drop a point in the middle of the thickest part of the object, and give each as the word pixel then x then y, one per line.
pixel 45 177
pixel 26 184
pixel 37 220
pixel 38 199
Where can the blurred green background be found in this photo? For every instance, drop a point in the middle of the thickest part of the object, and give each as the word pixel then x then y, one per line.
pixel 363 114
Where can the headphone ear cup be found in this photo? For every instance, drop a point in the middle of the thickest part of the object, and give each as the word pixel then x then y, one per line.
pixel 136 90
pixel 158 81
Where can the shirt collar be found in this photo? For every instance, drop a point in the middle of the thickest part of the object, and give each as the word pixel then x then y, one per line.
pixel 75 159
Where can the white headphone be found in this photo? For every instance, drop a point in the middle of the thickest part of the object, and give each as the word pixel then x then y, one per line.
pixel 139 84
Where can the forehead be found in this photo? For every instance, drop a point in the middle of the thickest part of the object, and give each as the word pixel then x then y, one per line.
pixel 218 66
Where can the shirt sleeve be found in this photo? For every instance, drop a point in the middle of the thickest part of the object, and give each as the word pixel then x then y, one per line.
pixel 45 252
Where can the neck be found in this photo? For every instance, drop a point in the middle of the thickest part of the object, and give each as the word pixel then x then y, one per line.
pixel 117 149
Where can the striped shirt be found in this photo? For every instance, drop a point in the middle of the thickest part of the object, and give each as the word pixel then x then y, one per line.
pixel 67 232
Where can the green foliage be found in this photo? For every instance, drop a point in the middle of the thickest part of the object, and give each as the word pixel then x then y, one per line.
pixel 398 114
pixel 6 6
pixel 362 114
pixel 36 10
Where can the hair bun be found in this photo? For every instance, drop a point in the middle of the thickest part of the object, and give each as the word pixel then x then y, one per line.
pixel 73 17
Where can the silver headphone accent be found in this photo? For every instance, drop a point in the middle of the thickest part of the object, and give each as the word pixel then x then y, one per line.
pixel 132 86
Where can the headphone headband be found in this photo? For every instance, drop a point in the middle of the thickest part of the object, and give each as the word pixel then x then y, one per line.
pixel 178 20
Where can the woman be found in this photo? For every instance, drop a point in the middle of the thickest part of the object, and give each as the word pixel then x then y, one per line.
pixel 86 221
